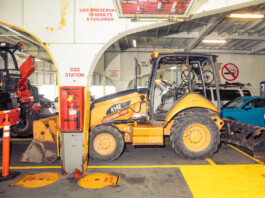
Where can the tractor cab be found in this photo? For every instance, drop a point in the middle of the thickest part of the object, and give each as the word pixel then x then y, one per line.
pixel 175 76
pixel 9 76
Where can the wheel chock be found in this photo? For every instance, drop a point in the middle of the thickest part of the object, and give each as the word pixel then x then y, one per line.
pixel 37 180
pixel 99 180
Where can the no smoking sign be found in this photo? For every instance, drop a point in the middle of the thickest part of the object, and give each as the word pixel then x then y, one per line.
pixel 230 72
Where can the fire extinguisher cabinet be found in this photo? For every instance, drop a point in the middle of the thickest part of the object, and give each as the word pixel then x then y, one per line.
pixel 262 88
pixel 72 108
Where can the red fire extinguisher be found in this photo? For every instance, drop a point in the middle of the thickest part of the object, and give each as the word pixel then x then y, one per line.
pixel 72 115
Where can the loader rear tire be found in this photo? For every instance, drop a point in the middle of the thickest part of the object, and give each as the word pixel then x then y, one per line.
pixel 195 136
pixel 25 127
pixel 106 143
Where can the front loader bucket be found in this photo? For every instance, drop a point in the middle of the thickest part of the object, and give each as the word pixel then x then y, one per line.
pixel 43 148
pixel 245 135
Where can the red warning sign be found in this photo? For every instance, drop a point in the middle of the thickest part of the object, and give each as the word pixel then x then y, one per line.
pixel 230 72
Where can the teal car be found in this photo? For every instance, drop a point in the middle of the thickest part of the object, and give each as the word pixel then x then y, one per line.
pixel 249 110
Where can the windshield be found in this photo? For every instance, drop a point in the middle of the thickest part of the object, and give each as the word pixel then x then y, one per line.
pixel 233 104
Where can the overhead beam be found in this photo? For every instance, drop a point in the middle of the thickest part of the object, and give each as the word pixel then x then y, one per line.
pixel 211 51
pixel 252 25
pixel 258 28
pixel 184 35
pixel 204 32
pixel 168 29
pixel 235 36
pixel 228 23
pixel 156 36
pixel 170 45
pixel 117 46
pixel 243 37
pixel 257 48
pixel 241 44
pixel 127 42
pixel 9 40
pixel 236 27
pixel 251 44
pixel 227 8
pixel 23 36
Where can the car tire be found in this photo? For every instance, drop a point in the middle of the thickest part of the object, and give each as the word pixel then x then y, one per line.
pixel 25 128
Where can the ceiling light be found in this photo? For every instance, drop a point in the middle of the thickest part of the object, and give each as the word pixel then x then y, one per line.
pixel 247 16
pixel 214 41
pixel 37 59
pixel 134 43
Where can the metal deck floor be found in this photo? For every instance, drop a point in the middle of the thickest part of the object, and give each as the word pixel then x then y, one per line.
pixel 150 172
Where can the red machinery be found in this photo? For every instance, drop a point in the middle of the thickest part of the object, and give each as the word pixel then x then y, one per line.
pixel 16 91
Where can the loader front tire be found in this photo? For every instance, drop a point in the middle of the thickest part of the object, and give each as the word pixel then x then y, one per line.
pixel 195 136
pixel 106 143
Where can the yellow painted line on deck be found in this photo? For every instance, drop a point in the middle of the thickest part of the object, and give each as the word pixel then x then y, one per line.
pixel 20 142
pixel 18 139
pixel 147 166
pixel 33 167
pixel 124 167
pixel 159 166
pixel 105 167
pixel 210 161
pixel 242 152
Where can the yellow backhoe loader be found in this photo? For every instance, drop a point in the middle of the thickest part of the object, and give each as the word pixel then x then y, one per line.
pixel 165 105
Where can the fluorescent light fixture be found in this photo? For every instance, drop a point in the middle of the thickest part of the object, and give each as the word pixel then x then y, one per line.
pixel 220 41
pixel 172 68
pixel 247 16
pixel 134 43
pixel 37 59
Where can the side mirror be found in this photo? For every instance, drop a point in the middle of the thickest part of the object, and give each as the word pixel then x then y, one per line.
pixel 247 107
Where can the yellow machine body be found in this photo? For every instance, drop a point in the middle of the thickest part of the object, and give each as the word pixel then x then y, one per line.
pixel 148 135
pixel 190 101
pixel 112 107
pixel 144 134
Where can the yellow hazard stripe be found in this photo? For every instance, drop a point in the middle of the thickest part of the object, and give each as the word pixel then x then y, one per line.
pixel 210 161
pixel 253 158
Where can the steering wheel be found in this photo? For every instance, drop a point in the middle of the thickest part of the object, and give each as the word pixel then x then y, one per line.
pixel 181 89
pixel 166 83
pixel 160 89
